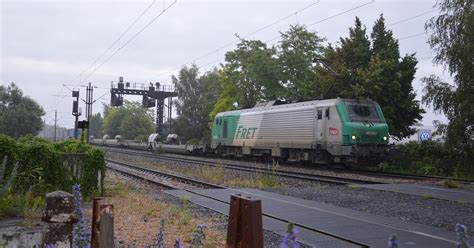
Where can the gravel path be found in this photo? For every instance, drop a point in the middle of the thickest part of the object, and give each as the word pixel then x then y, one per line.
pixel 422 210
pixel 271 239
pixel 428 211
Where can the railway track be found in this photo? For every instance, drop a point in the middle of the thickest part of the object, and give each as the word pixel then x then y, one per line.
pixel 167 178
pixel 269 171
pixel 156 177
pixel 358 171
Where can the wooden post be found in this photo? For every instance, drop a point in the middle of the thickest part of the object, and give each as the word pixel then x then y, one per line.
pixel 106 226
pixel 95 222
pixel 245 227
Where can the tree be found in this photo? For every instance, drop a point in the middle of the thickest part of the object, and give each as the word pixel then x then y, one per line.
pixel 453 41
pixel 298 48
pixel 131 121
pixel 253 69
pixel 196 98
pixel 227 96
pixel 373 69
pixel 389 81
pixel 95 126
pixel 19 115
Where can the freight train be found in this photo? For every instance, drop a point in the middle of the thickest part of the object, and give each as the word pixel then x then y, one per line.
pixel 347 131
pixel 323 131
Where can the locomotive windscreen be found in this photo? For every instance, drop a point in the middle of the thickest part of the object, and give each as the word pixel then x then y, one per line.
pixel 362 111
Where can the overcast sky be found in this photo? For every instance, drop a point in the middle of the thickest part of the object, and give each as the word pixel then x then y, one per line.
pixel 45 44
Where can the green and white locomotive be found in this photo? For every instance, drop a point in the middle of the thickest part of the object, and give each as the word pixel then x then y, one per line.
pixel 338 130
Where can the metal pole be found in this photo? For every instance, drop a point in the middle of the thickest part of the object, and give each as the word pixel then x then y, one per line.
pixel 169 113
pixel 55 122
pixel 44 128
pixel 75 127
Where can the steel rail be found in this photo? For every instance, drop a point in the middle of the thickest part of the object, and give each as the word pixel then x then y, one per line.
pixel 270 171
pixel 179 178
pixel 363 172
pixel 193 181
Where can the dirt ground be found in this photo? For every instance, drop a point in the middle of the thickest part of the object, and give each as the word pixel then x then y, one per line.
pixel 138 210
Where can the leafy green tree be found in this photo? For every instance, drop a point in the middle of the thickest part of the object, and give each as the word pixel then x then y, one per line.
pixel 196 98
pixel 113 118
pixel 19 115
pixel 388 80
pixel 373 69
pixel 453 41
pixel 227 96
pixel 297 50
pixel 130 121
pixel 253 68
pixel 346 61
pixel 95 126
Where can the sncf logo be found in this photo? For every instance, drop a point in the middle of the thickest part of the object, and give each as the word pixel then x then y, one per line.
pixel 333 131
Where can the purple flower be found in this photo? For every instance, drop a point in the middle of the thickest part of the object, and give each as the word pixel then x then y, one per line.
pixel 176 244
pixel 461 231
pixel 161 235
pixel 199 236
pixel 289 240
pixel 393 241
pixel 79 237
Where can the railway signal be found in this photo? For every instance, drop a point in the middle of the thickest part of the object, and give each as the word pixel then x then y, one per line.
pixel 155 95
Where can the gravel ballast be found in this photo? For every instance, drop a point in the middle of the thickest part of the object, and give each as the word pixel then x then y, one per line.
pixel 271 239
pixel 410 208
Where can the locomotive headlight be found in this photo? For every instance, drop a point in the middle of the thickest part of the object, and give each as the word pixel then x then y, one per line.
pixel 353 137
pixel 384 138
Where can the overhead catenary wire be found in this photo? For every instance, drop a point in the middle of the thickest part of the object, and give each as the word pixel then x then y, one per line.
pixel 333 16
pixel 277 37
pixel 414 35
pixel 130 40
pixel 411 18
pixel 306 7
pixel 116 41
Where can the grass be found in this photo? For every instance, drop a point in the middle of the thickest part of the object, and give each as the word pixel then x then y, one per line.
pixel 353 186
pixel 450 184
pixel 26 206
pixel 427 196
pixel 184 200
pixel 137 218
pixel 218 175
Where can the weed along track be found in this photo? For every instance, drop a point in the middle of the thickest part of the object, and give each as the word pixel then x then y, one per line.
pixel 165 179
pixel 347 175
pixel 196 189
pixel 269 171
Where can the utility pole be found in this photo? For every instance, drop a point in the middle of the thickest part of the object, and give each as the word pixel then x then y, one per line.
pixel 75 110
pixel 55 122
pixel 89 102
pixel 44 128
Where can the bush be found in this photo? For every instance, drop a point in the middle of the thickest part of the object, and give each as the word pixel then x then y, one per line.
pixel 429 158
pixel 41 169
pixel 8 148
pixel 21 205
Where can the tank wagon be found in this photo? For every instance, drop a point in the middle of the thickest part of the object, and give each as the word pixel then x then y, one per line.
pixel 334 130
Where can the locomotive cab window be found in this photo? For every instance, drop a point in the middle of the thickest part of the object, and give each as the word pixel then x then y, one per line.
pixel 217 122
pixel 362 111
pixel 224 130
pixel 327 113
pixel 320 114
